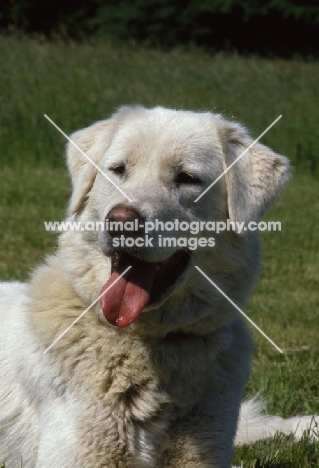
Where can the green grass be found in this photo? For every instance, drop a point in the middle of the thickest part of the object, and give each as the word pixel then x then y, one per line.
pixel 78 84
pixel 279 452
pixel 28 197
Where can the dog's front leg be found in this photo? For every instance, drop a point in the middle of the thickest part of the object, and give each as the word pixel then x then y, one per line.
pixel 204 439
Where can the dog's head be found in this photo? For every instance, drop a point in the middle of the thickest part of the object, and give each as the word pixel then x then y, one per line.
pixel 144 171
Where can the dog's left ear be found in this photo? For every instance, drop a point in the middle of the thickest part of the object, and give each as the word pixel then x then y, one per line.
pixel 256 179
pixel 93 141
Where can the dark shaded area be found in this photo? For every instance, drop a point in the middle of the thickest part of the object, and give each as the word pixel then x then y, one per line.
pixel 279 27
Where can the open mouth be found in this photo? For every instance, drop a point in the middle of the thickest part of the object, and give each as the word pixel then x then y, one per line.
pixel 144 284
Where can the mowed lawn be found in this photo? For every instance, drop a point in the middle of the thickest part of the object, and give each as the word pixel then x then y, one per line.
pixel 77 84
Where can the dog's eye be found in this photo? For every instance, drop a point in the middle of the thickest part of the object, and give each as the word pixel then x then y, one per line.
pixel 185 178
pixel 119 169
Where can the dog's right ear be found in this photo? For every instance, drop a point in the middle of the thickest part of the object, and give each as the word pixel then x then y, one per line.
pixel 93 141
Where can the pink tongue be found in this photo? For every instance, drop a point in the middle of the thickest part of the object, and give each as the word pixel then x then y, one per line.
pixel 126 299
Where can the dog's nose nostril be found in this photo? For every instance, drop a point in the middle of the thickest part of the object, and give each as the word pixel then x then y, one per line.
pixel 124 221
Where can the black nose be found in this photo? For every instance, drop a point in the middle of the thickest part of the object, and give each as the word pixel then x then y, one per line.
pixel 124 221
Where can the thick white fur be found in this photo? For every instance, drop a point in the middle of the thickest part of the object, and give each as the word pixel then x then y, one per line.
pixel 164 392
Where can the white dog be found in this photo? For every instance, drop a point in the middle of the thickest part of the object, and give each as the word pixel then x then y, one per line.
pixel 152 375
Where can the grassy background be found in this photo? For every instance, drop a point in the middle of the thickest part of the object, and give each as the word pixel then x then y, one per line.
pixel 76 84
